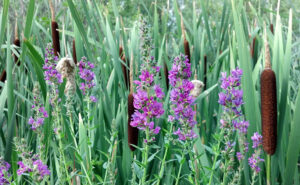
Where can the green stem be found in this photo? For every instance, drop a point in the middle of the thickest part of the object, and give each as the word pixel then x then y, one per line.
pixel 253 178
pixel 268 169
pixel 215 161
pixel 145 160
pixel 180 167
pixel 161 172
pixel 193 165
pixel 225 173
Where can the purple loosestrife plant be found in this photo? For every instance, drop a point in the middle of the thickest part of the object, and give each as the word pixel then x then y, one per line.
pixel 147 100
pixel 4 174
pixel 181 109
pixel 231 122
pixel 180 98
pixel 53 79
pixel 148 106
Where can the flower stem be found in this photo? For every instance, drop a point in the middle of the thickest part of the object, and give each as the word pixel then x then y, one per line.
pixel 180 167
pixel 145 160
pixel 161 172
pixel 253 178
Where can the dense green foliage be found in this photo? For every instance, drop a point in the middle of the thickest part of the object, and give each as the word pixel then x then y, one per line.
pixel 95 148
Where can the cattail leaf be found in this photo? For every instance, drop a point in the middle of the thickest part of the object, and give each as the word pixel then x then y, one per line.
pixel 4 19
pixel 76 17
pixel 28 26
pixel 37 62
pixel 83 142
pixel 293 146
pixel 206 22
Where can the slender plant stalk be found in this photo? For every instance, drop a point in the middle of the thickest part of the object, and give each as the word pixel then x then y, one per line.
pixel 145 159
pixel 268 169
pixel 161 172
pixel 180 167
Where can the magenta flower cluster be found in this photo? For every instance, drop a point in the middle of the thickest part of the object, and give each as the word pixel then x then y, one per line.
pixel 4 175
pixel 147 102
pixel 255 157
pixel 34 165
pixel 40 115
pixel 181 100
pixel 51 75
pixel 231 99
pixel 87 75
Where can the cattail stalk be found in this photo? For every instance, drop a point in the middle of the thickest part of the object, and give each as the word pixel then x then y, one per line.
pixel 133 132
pixel 124 69
pixel 55 33
pixel 185 42
pixel 268 109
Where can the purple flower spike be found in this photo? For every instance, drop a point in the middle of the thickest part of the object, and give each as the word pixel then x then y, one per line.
pixel 181 100
pixel 147 101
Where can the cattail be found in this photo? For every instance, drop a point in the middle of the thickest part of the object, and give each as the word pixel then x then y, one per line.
pixel 55 38
pixel 133 132
pixel 166 75
pixel 268 105
pixel 74 53
pixel 16 43
pixel 55 33
pixel 185 42
pixel 253 47
pixel 3 76
pixel 124 69
pixel 205 71
pixel 187 49
pixel 272 28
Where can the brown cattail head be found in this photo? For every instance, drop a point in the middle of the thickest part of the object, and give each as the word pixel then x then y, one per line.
pixel 205 72
pixel 185 42
pixel 3 76
pixel 133 132
pixel 253 47
pixel 55 38
pixel 268 105
pixel 166 75
pixel 74 53
pixel 17 43
pixel 269 110
pixel 187 49
pixel 272 28
pixel 120 51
